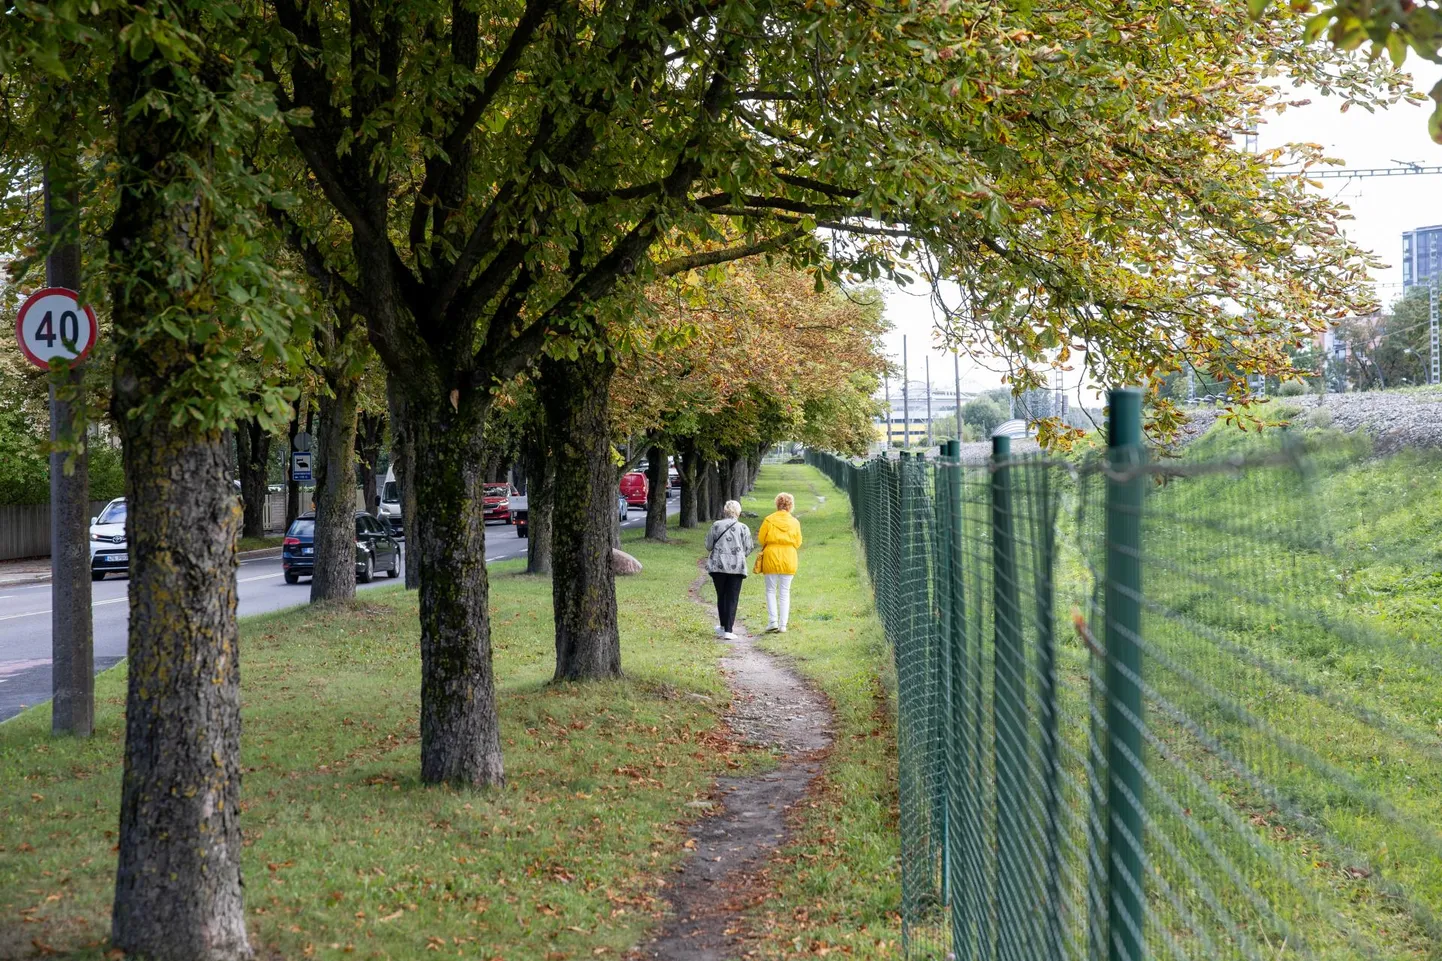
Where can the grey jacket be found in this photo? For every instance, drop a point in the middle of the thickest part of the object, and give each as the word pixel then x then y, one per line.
pixel 728 542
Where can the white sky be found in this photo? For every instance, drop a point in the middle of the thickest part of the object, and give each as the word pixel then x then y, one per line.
pixel 1383 207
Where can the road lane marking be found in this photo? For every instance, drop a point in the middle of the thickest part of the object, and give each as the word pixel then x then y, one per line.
pixel 122 600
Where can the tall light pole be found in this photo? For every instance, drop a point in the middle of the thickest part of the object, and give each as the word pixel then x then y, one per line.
pixel 956 374
pixel 1434 373
pixel 928 398
pixel 905 398
pixel 886 386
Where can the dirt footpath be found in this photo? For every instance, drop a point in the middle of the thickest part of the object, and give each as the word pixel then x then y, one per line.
pixel 771 707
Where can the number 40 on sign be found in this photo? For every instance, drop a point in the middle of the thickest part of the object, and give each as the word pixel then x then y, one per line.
pixel 52 324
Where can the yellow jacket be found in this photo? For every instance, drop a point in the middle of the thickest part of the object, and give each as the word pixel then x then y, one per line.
pixel 779 537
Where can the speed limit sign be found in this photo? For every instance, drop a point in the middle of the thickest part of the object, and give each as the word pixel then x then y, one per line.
pixel 52 324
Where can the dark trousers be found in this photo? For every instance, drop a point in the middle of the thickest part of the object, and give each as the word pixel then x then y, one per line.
pixel 728 594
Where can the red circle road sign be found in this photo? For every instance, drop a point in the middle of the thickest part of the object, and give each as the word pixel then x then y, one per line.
pixel 51 323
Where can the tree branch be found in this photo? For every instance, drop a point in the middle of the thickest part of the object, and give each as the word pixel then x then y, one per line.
pixel 326 277
pixel 707 258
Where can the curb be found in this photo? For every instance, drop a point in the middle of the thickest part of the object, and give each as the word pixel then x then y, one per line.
pixel 43 577
pixel 36 578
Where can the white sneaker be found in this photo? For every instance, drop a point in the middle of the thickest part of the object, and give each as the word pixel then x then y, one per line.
pixel 729 636
pixel 717 630
pixel 772 628
pixel 782 630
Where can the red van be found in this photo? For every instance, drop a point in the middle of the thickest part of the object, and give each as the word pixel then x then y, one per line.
pixel 635 487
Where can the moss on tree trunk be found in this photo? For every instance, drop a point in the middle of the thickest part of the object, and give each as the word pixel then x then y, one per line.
pixel 446 534
pixel 178 891
pixel 335 534
pixel 576 395
pixel 656 497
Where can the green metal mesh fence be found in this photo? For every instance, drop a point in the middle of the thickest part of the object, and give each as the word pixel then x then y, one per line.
pixel 1143 714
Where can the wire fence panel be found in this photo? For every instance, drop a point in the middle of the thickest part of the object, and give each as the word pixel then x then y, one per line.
pixel 1149 710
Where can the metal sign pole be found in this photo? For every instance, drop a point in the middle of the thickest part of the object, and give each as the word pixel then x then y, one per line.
pixel 71 632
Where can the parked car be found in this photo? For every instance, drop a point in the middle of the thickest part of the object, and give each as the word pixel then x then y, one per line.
pixel 390 509
pixel 635 487
pixel 497 501
pixel 375 549
pixel 108 551
pixel 673 476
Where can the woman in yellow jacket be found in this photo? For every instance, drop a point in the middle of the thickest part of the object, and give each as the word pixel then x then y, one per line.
pixel 779 538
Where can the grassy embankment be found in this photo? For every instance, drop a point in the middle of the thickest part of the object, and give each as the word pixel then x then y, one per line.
pixel 1307 610
pixel 348 855
pixel 257 543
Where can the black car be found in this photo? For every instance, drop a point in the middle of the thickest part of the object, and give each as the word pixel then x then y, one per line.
pixel 375 549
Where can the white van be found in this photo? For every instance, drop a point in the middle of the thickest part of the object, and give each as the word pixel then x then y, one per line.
pixel 390 510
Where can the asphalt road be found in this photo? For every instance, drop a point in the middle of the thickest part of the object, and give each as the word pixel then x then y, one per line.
pixel 25 614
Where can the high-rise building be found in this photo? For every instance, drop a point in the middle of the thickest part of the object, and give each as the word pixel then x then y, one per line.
pixel 1421 256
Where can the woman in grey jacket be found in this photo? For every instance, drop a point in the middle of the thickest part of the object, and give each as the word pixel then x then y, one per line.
pixel 728 542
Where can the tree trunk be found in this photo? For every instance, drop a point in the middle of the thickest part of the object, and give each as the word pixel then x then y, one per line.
pixel 178 890
pixel 704 470
pixel 370 435
pixel 583 592
pixel 540 487
pixel 687 467
pixel 719 485
pixel 740 475
pixel 403 460
pixel 446 537
pixel 334 466
pixel 253 464
pixel 656 500
pixel 292 489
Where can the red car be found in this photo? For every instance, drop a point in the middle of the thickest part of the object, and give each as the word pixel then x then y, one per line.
pixel 498 502
pixel 635 487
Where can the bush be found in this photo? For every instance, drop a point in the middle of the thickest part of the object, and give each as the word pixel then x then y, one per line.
pixel 1292 388
pixel 25 467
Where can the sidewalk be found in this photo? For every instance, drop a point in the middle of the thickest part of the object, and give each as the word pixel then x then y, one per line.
pixel 30 571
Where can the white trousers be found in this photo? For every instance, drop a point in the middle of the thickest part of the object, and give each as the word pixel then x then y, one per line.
pixel 778 599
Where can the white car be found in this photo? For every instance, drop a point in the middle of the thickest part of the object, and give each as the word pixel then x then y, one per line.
pixel 108 550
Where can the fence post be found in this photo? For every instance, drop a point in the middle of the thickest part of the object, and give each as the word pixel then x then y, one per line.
pixel 941 577
pixel 1008 717
pixel 958 824
pixel 1126 856
pixel 1043 518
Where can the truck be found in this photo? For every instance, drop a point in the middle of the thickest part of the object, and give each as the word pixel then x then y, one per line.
pixel 520 515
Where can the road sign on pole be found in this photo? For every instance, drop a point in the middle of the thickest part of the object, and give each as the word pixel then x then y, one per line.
pixel 300 467
pixel 52 324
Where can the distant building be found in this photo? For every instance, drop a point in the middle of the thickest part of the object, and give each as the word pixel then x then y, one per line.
pixel 1421 256
pixel 907 423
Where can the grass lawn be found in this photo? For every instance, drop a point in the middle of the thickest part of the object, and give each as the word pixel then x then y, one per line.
pixel 257 543
pixel 347 855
